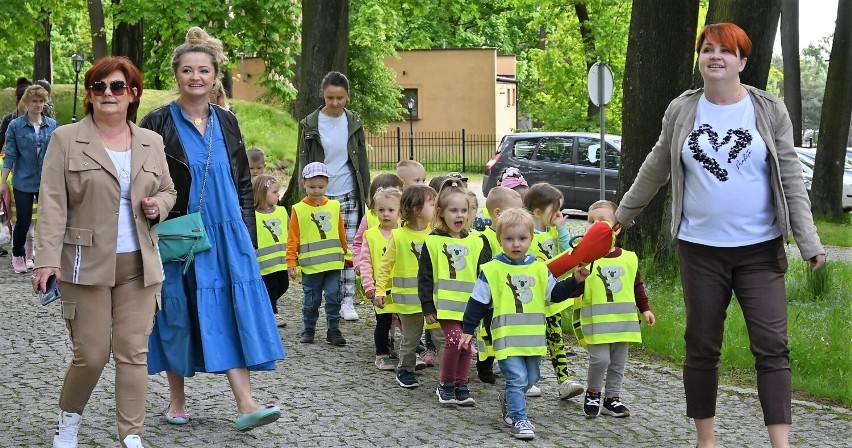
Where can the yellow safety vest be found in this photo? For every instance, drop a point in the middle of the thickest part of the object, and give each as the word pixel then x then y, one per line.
pixel 493 243
pixel 372 219
pixel 545 245
pixel 407 244
pixel 518 294
pixel 608 313
pixel 378 246
pixel 319 237
pixel 454 272
pixel 271 240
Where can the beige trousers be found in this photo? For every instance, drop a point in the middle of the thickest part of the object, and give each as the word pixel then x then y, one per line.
pixel 412 331
pixel 121 318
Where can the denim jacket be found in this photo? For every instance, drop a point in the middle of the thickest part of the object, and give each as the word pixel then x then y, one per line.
pixel 25 151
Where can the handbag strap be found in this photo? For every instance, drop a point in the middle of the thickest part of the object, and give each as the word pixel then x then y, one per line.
pixel 209 153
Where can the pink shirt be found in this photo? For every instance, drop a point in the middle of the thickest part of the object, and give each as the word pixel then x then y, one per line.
pixel 359 239
pixel 365 262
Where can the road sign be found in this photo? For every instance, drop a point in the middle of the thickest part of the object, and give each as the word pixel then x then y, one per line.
pixel 600 75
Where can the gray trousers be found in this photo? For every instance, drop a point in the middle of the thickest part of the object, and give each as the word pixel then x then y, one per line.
pixel 607 361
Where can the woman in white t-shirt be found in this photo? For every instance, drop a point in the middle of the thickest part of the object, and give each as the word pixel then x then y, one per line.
pixel 334 136
pixel 737 192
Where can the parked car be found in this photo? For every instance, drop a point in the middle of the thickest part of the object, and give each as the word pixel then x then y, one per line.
pixel 570 161
pixel 808 157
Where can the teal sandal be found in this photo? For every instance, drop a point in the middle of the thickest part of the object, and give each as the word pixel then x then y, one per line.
pixel 263 416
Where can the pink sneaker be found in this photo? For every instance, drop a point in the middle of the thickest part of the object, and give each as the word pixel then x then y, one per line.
pixel 429 357
pixel 19 264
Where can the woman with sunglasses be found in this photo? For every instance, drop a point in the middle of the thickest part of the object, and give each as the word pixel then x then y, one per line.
pixel 105 187
pixel 216 318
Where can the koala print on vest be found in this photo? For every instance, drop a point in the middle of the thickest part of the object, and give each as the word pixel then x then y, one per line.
pixel 548 248
pixel 708 161
pixel 611 277
pixel 323 222
pixel 520 286
pixel 273 225
pixel 416 248
pixel 455 254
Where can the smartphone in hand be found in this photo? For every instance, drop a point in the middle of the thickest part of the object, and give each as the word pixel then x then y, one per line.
pixel 52 291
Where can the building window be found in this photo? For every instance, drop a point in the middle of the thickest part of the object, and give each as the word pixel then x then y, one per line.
pixel 411 103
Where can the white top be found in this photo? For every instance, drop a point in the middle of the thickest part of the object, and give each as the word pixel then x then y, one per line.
pixel 334 136
pixel 727 197
pixel 128 239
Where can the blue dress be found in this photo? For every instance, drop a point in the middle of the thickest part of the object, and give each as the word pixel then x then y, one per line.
pixel 218 316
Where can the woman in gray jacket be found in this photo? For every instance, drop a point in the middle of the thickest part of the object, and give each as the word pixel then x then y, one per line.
pixel 737 192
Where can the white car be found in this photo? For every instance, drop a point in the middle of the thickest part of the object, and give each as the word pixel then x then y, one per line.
pixel 808 156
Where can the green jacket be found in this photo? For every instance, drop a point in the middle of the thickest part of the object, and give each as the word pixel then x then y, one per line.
pixel 311 150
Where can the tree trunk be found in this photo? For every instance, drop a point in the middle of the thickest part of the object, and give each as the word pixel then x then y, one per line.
pixel 658 68
pixel 827 189
pixel 588 49
pixel 792 70
pixel 325 48
pixel 43 57
pixel 759 19
pixel 128 40
pixel 96 19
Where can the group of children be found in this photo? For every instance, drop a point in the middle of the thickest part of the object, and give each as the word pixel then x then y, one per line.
pixel 430 260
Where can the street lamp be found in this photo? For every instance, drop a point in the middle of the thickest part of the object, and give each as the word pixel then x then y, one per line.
pixel 78 65
pixel 409 104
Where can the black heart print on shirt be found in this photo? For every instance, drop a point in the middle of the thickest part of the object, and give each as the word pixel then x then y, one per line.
pixel 709 163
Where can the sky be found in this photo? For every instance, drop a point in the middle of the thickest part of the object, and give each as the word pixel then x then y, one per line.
pixel 816 20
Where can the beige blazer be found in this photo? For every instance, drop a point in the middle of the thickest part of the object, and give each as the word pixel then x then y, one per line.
pixel 79 198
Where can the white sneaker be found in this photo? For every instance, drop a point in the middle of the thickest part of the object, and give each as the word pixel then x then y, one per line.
pixel 534 391
pixel 569 389
pixel 66 431
pixel 30 264
pixel 523 429
pixel 347 310
pixel 133 441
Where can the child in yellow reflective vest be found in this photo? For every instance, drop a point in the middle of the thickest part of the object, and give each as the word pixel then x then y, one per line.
pixel 271 250
pixel 519 287
pixel 608 319
pixel 398 274
pixel 552 237
pixel 447 273
pixel 317 244
pixel 498 201
pixel 385 206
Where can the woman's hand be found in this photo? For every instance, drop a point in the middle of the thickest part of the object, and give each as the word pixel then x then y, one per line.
pixel 40 276
pixel 151 208
pixel 817 261
pixel 464 341
pixel 626 226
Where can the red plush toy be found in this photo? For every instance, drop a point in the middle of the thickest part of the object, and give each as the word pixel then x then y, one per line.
pixel 595 244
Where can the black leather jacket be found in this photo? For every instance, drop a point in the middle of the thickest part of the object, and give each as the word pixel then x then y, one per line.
pixel 160 121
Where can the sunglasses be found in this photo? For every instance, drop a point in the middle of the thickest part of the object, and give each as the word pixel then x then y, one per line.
pixel 117 87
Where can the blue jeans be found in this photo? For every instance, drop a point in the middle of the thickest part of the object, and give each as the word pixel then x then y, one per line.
pixel 313 285
pixel 521 373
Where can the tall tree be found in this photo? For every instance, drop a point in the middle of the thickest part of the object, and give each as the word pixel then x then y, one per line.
pixel 325 47
pixel 43 56
pixel 759 19
pixel 589 48
pixel 836 113
pixel 96 19
pixel 792 68
pixel 128 40
pixel 660 51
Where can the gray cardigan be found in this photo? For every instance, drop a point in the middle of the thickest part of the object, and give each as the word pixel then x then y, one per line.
pixel 792 206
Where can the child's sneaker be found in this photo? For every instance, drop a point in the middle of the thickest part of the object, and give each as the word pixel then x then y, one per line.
pixel 533 391
pixel 485 372
pixel 592 404
pixel 523 429
pixel 446 394
pixel 569 389
pixel 504 410
pixel 383 362
pixel 463 397
pixel 66 430
pixel 30 264
pixel 279 321
pixel 406 379
pixel 429 357
pixel 615 408
pixel 19 265
pixel 307 337
pixel 419 364
pixel 133 441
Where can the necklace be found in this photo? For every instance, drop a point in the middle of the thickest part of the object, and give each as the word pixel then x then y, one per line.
pixel 123 168
pixel 198 121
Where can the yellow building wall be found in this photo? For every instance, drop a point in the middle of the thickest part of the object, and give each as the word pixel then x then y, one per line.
pixel 246 79
pixel 505 110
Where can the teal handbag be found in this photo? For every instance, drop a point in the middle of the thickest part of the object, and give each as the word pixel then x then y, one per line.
pixel 182 237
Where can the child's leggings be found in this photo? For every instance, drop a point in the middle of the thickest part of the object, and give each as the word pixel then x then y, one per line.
pixel 455 362
pixel 556 346
pixel 381 333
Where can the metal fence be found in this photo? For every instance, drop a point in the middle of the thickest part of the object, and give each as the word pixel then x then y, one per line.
pixel 437 151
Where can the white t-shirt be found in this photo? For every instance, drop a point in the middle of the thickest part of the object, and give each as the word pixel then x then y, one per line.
pixel 334 136
pixel 128 240
pixel 727 197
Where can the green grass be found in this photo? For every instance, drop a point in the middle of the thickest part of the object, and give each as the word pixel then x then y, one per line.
pixel 819 313
pixel 836 232
pixel 266 127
